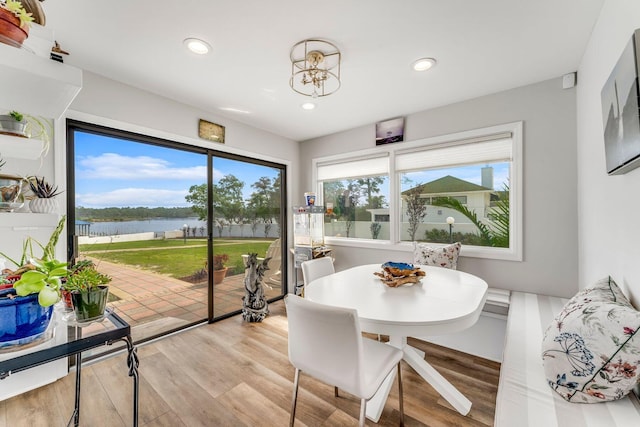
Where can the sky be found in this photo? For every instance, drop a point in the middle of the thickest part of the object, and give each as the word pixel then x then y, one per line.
pixel 470 173
pixel 111 172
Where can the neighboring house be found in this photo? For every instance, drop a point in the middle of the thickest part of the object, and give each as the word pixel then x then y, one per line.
pixel 476 198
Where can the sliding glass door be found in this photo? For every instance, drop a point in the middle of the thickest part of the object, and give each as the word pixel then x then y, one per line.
pixel 246 218
pixel 162 219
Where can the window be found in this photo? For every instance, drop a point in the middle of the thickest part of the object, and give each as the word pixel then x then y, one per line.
pixel 358 190
pixel 407 192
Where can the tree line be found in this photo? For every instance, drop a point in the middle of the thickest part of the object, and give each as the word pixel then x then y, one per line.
pixel 131 214
pixel 230 208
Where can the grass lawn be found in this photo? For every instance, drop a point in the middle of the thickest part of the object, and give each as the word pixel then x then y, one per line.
pixel 173 257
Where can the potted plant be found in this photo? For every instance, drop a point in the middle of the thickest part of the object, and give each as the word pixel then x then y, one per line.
pixel 27 126
pixel 219 268
pixel 89 291
pixel 13 123
pixel 45 193
pixel 26 308
pixel 14 22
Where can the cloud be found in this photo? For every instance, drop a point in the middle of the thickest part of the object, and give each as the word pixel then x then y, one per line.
pixel 115 166
pixel 133 197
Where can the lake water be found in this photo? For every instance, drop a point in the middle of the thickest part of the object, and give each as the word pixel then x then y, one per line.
pixel 155 225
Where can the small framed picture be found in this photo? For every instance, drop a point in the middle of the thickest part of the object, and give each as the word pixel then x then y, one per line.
pixel 390 131
pixel 211 131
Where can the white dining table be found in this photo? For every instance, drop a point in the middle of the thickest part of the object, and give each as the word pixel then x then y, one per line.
pixel 444 301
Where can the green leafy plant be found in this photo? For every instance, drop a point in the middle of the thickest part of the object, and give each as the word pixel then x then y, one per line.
pixel 42 276
pixel 15 7
pixel 18 117
pixel 498 234
pixel 39 128
pixel 45 280
pixel 42 189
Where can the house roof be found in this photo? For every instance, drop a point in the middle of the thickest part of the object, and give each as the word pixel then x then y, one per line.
pixel 448 184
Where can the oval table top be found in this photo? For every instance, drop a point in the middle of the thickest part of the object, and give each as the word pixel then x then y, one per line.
pixel 444 301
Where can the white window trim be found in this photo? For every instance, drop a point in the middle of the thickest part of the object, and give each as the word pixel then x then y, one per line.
pixel 515 250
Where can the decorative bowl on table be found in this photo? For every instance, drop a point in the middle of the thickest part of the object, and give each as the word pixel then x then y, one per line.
pixel 396 274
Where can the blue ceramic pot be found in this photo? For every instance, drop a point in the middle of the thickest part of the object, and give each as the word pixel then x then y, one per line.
pixel 22 319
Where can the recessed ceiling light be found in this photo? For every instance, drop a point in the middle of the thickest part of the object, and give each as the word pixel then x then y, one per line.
pixel 423 64
pixel 235 110
pixel 308 106
pixel 197 46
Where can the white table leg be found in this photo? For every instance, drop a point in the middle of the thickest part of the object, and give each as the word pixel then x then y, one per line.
pixel 420 352
pixel 437 381
pixel 375 405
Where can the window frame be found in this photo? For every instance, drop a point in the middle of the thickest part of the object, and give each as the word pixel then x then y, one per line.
pixel 515 250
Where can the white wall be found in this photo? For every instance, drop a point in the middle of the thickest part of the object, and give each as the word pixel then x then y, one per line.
pixel 608 206
pixel 109 103
pixel 550 264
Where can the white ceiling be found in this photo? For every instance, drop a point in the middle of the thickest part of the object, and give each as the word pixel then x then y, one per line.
pixel 482 47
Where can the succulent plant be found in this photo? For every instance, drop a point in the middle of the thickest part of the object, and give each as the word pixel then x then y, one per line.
pixel 85 279
pixel 16 8
pixel 42 189
pixel 17 116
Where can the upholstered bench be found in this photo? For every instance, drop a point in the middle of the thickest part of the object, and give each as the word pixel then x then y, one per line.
pixel 524 396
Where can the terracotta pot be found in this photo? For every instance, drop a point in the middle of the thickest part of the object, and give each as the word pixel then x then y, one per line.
pixel 218 275
pixel 10 31
pixel 66 298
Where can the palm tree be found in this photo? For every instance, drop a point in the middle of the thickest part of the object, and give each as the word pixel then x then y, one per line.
pixel 498 234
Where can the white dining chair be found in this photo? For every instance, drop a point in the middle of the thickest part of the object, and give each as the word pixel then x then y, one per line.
pixel 315 268
pixel 326 343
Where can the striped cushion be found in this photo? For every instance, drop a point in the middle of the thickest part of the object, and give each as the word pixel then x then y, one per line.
pixel 524 396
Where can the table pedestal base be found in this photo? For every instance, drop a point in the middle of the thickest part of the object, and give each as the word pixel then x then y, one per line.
pixel 415 359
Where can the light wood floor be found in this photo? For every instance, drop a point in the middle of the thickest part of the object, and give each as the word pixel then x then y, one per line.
pixel 233 373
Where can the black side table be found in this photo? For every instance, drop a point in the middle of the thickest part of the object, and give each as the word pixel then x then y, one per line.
pixel 118 330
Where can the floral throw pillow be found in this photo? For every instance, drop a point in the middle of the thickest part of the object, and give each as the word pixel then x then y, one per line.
pixel 591 351
pixel 444 256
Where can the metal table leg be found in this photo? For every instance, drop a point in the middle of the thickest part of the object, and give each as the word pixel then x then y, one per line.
pixel 132 363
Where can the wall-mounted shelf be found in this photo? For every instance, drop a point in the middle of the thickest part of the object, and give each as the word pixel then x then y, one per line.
pixel 36 85
pixel 20 148
pixel 21 221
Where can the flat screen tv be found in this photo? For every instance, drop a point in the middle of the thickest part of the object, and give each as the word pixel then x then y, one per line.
pixel 620 113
